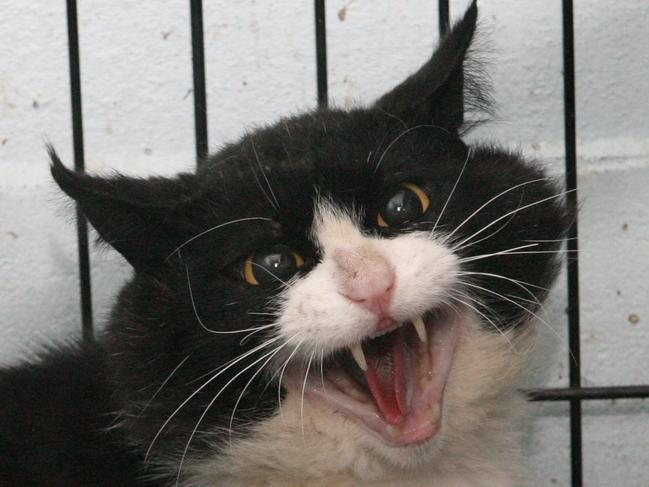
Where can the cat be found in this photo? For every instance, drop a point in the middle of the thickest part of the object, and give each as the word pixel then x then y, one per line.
pixel 343 298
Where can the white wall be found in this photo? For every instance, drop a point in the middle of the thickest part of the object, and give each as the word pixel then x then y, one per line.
pixel 138 116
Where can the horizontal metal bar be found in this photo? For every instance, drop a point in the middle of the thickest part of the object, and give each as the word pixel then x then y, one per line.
pixel 588 393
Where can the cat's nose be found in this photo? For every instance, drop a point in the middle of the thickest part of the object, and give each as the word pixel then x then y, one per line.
pixel 366 278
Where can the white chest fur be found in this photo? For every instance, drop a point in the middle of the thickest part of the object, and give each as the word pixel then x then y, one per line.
pixel 308 445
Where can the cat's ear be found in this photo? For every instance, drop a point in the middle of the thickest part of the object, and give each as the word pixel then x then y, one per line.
pixel 435 94
pixel 140 218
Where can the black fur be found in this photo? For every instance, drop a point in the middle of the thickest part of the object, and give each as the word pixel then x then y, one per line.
pixel 86 415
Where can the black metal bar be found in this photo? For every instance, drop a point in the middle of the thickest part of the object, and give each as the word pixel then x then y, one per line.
pixel 444 17
pixel 77 133
pixel 588 393
pixel 321 52
pixel 572 242
pixel 198 68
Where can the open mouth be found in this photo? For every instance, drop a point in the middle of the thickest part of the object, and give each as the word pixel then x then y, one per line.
pixel 393 384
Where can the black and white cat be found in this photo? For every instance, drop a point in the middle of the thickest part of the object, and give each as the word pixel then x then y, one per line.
pixel 340 299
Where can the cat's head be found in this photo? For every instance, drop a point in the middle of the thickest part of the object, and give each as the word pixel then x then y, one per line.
pixel 364 269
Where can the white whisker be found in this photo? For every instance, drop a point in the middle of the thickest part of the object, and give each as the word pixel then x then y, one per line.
pixel 407 131
pixel 263 173
pixel 273 275
pixel 481 314
pixel 525 309
pixel 164 383
pixel 529 205
pixel 466 161
pixel 279 385
pixel 508 190
pixel 216 227
pixel 203 386
pixel 516 281
pixel 234 409
pixel 500 252
pixel 306 375
pixel 209 330
pixel 211 403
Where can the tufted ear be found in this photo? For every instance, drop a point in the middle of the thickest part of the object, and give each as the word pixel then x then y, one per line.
pixel 435 93
pixel 143 219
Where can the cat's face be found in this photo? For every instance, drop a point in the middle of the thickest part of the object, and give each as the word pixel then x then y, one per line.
pixel 366 265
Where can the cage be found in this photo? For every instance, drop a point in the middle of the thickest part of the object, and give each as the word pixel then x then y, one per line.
pixel 152 80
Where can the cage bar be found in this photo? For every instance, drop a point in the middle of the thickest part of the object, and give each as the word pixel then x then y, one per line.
pixel 588 393
pixel 443 16
pixel 198 70
pixel 572 243
pixel 79 165
pixel 321 53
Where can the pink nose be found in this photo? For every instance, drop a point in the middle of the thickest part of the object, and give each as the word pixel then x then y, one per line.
pixel 366 278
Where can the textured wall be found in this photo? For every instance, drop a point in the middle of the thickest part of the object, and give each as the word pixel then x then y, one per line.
pixel 136 75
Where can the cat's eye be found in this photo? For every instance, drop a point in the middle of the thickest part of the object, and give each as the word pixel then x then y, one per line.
pixel 272 265
pixel 405 204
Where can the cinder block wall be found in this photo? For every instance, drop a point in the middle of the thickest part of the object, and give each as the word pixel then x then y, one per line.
pixel 138 117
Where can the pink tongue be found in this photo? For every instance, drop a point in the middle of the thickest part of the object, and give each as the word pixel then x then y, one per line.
pixel 386 377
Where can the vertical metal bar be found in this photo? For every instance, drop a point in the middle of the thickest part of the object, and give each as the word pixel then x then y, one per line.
pixel 77 133
pixel 444 17
pixel 572 243
pixel 321 52
pixel 198 68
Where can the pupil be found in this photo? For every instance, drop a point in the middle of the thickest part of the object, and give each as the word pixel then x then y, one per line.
pixel 275 263
pixel 403 206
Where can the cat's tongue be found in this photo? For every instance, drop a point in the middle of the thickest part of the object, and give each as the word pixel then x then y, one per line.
pixel 389 379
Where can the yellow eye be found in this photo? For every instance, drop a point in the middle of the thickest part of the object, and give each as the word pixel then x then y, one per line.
pixel 273 265
pixel 407 203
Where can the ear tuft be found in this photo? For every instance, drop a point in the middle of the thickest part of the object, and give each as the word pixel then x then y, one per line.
pixel 61 174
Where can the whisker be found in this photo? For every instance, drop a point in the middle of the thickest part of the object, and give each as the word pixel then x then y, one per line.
pixel 500 252
pixel 515 303
pixel 256 330
pixel 466 161
pixel 279 385
pixel 481 314
pixel 478 257
pixel 566 239
pixel 211 403
pixel 306 375
pixel 263 173
pixel 216 227
pixel 516 281
pixel 287 285
pixel 203 386
pixel 508 190
pixel 407 131
pixel 525 309
pixel 498 230
pixel 529 205
pixel 164 384
pixel 322 370
pixel 234 409
pixel 209 330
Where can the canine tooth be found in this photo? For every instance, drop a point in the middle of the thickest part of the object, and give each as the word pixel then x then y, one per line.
pixel 418 323
pixel 359 356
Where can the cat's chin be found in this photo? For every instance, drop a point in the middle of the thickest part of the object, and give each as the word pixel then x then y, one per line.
pixel 399 395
